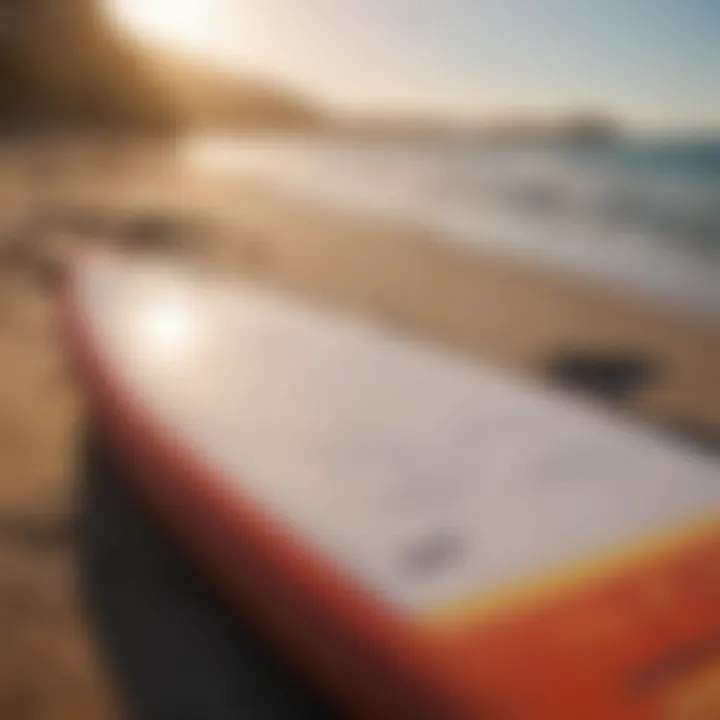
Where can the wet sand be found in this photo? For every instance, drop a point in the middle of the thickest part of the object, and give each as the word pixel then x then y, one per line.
pixel 495 310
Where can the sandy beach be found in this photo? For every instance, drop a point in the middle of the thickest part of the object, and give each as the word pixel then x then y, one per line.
pixel 493 310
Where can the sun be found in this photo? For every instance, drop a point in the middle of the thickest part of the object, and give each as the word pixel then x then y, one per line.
pixel 191 24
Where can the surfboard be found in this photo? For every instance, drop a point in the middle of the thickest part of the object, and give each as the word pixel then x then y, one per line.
pixel 429 537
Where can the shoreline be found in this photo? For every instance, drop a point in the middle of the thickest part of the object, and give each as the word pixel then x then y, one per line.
pixel 671 272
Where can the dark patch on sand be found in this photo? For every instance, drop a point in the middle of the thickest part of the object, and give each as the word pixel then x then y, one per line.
pixel 614 377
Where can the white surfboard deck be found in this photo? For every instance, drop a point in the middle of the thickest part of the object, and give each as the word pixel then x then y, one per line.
pixel 425 476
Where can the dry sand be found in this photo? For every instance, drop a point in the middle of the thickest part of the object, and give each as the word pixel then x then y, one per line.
pixel 495 310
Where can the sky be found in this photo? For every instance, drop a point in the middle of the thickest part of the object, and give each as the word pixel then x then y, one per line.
pixel 650 62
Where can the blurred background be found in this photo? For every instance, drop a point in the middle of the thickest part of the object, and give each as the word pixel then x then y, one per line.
pixel 534 183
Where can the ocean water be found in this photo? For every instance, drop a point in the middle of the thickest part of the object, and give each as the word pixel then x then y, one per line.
pixel 642 215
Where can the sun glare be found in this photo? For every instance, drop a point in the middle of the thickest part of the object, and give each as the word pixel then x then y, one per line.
pixel 192 24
